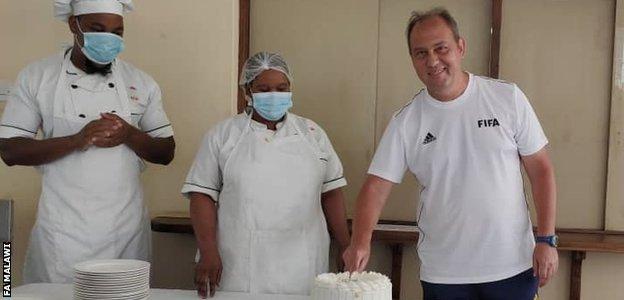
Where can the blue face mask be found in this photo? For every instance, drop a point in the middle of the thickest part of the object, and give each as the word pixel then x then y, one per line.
pixel 273 105
pixel 101 47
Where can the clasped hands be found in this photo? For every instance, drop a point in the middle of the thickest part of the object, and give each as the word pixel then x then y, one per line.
pixel 108 131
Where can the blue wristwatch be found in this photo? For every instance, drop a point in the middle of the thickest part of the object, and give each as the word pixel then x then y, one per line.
pixel 551 240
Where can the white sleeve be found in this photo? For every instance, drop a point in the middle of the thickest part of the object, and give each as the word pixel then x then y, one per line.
pixel 21 117
pixel 529 134
pixel 334 174
pixel 205 175
pixel 154 120
pixel 390 161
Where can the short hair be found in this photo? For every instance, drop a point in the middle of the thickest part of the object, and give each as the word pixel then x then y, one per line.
pixel 419 16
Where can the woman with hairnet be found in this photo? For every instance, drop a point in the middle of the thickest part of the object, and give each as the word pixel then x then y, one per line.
pixel 263 188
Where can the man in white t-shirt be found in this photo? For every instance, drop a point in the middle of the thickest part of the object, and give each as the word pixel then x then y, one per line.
pixel 464 138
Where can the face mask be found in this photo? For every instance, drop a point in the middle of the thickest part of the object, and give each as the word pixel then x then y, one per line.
pixel 272 106
pixel 101 47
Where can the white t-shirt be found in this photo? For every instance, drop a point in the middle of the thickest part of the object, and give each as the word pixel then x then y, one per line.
pixel 206 174
pixel 473 217
pixel 31 104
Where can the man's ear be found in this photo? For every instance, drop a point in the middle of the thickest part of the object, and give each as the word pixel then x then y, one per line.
pixel 461 43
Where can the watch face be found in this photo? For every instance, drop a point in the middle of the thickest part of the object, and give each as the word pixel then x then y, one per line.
pixel 555 241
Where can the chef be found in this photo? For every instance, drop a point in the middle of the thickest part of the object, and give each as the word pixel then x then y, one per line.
pixel 264 188
pixel 100 118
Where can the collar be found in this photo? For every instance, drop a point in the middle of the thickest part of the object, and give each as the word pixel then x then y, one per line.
pixel 72 70
pixel 455 102
pixel 257 126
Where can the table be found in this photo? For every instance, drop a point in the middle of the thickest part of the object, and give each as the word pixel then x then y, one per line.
pixel 581 241
pixel 53 291
pixel 397 234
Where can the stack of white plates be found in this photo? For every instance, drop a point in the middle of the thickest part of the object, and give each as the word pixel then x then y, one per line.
pixel 118 279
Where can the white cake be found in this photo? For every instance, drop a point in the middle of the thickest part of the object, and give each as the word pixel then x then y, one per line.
pixel 360 286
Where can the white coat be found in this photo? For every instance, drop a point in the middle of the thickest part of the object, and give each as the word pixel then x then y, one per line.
pixel 91 204
pixel 272 233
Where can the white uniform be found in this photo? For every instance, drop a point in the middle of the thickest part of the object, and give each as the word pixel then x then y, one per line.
pixel 91 203
pixel 272 234
pixel 473 216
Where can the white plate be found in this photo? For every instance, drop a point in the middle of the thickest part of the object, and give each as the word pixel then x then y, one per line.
pixel 108 286
pixel 110 289
pixel 136 272
pixel 137 297
pixel 133 294
pixel 111 266
pixel 101 297
pixel 111 278
pixel 112 296
pixel 111 275
pixel 112 284
pixel 126 298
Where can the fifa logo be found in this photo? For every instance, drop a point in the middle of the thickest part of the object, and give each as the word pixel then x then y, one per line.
pixel 488 123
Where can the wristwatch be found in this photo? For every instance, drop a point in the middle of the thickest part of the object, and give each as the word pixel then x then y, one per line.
pixel 551 240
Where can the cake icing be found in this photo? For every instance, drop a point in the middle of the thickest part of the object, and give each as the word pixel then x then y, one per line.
pixel 360 286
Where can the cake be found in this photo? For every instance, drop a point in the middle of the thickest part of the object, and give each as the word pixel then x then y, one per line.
pixel 360 286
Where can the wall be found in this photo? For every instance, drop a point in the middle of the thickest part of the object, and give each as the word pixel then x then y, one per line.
pixel 614 211
pixel 561 54
pixel 330 78
pixel 191 50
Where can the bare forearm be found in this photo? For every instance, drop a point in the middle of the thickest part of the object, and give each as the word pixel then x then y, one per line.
pixel 541 173
pixel 370 202
pixel 544 196
pixel 203 213
pixel 336 215
pixel 32 152
pixel 154 150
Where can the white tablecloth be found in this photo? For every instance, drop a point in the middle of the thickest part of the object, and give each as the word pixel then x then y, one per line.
pixel 47 291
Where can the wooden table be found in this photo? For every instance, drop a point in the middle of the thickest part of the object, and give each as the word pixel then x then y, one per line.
pixel 581 241
pixel 396 234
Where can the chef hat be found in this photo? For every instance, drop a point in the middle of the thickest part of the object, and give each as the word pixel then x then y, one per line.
pixel 63 9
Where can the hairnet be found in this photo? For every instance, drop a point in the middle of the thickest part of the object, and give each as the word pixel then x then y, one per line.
pixel 261 62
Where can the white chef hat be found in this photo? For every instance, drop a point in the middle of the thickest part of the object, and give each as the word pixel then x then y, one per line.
pixel 63 9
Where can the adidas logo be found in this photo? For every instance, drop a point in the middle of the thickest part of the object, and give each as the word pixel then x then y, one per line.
pixel 429 138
